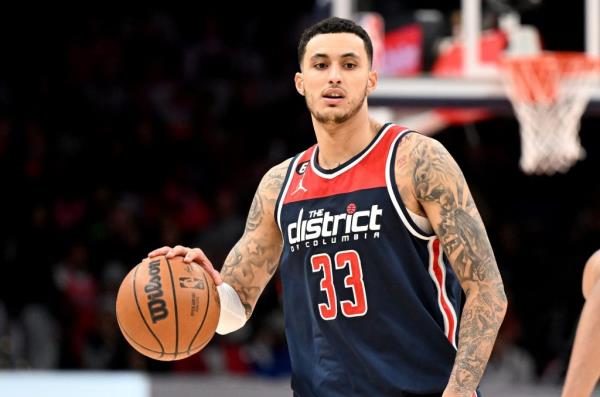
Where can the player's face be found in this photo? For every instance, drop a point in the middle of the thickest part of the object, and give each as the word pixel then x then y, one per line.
pixel 336 77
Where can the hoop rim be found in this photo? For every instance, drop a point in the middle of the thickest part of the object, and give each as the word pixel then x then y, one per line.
pixel 537 78
pixel 546 57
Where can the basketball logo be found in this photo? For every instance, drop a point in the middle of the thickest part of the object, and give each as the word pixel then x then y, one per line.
pixel 191 282
pixel 351 208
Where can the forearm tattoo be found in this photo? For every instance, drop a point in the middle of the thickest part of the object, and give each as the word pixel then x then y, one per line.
pixel 437 180
pixel 254 259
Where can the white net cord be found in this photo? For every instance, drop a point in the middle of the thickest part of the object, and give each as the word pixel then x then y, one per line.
pixel 550 121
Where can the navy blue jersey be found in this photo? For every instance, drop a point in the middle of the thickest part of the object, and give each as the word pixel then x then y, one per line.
pixel 370 302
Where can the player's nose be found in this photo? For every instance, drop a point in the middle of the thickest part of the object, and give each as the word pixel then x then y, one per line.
pixel 335 77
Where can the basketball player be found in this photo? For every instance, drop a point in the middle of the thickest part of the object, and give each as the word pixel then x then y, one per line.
pixel 375 232
pixel 584 366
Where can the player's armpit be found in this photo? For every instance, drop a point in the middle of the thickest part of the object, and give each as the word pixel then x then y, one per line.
pixel 441 189
pixel 254 259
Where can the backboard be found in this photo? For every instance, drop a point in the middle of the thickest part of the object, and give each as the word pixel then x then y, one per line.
pixel 475 84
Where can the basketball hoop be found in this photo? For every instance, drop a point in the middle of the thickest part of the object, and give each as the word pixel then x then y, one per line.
pixel 549 93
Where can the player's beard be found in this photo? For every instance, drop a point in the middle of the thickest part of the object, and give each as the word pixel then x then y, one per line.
pixel 337 118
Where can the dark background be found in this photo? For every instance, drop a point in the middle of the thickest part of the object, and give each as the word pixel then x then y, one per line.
pixel 122 130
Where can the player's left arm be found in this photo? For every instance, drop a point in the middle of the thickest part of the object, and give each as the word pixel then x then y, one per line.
pixel 440 188
pixel 584 366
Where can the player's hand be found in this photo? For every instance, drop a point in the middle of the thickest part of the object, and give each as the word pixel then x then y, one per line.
pixel 450 393
pixel 189 255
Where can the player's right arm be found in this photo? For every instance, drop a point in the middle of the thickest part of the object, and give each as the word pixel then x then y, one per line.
pixel 253 260
pixel 584 366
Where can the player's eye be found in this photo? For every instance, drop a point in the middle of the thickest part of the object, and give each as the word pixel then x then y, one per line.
pixel 350 65
pixel 320 65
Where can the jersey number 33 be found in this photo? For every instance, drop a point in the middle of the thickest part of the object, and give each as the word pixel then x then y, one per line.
pixel 344 262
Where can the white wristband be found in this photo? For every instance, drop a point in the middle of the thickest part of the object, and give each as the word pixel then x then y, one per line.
pixel 233 315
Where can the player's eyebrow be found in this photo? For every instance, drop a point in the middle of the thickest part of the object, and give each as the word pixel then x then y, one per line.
pixel 318 56
pixel 350 55
pixel 344 55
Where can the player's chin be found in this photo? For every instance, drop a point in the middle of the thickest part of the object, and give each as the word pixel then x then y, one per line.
pixel 330 114
pixel 334 109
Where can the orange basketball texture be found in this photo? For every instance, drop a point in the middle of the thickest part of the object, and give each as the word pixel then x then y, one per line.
pixel 167 309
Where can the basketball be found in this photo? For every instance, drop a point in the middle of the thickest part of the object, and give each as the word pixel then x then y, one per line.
pixel 168 309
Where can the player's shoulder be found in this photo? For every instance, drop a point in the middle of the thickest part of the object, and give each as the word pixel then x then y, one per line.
pixel 591 273
pixel 416 150
pixel 279 171
pixel 419 151
pixel 415 140
pixel 279 168
pixel 273 180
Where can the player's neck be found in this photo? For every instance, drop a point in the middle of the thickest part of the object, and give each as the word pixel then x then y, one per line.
pixel 338 143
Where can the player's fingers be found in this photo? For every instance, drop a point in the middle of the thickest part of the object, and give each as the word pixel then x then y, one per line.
pixel 178 250
pixel 159 251
pixel 216 276
pixel 197 255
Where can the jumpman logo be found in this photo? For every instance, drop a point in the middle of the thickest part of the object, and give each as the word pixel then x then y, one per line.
pixel 300 186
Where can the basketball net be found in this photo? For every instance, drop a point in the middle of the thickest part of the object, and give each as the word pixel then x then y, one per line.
pixel 549 93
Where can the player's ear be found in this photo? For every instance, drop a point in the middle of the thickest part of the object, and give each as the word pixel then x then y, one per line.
pixel 299 81
pixel 372 81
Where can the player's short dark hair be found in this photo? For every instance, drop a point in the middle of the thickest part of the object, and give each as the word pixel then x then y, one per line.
pixel 334 25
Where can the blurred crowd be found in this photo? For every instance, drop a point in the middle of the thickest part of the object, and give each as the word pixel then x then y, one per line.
pixel 123 133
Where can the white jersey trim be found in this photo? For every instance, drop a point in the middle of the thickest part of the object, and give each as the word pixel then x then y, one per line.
pixel 293 166
pixel 421 221
pixel 442 296
pixel 352 164
pixel 388 180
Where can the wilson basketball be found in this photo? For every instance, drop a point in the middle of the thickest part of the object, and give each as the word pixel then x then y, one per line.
pixel 167 309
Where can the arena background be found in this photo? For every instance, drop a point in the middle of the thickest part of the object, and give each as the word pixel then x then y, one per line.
pixel 125 129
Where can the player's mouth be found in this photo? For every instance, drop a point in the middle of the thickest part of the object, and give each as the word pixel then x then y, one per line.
pixel 333 96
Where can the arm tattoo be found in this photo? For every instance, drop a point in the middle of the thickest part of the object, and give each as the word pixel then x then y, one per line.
pixel 256 213
pixel 440 186
pixel 254 259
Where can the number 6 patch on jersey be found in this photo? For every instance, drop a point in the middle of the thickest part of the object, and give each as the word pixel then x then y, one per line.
pixel 353 280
